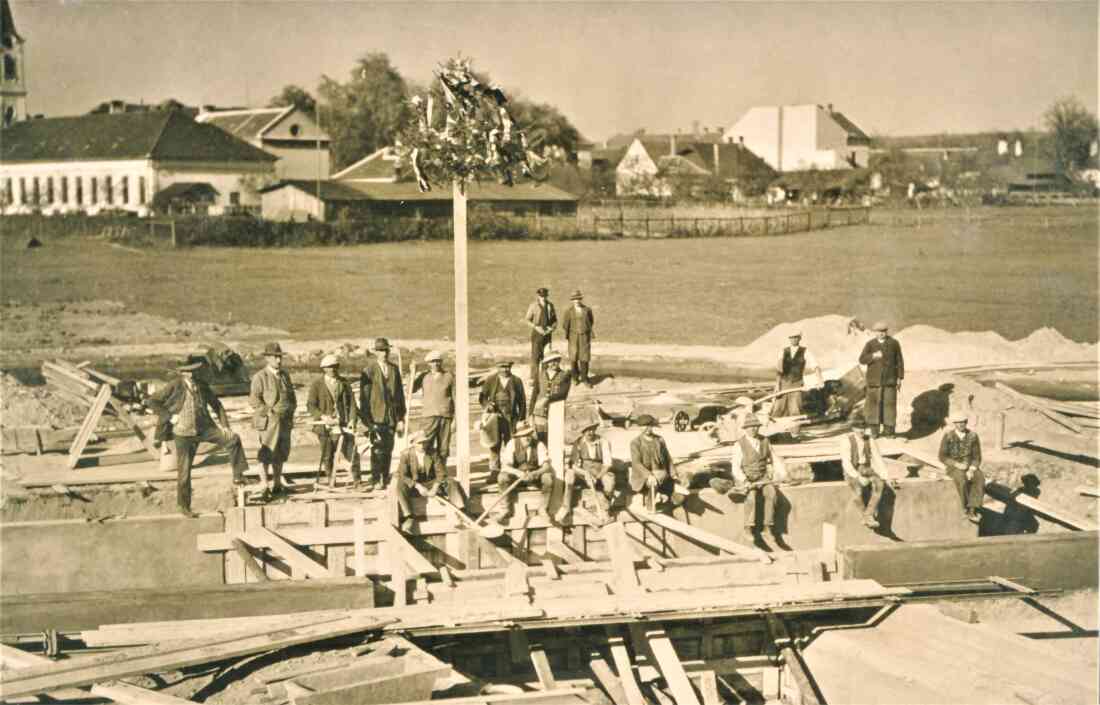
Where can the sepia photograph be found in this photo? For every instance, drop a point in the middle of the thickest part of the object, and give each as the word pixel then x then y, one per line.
pixel 776 325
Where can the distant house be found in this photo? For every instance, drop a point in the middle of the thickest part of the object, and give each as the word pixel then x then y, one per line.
pixel 93 163
pixel 288 133
pixel 662 168
pixel 379 166
pixel 801 137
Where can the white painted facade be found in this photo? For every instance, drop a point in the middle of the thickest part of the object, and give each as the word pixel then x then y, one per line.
pixel 287 133
pixel 636 174
pixel 291 204
pixel 797 138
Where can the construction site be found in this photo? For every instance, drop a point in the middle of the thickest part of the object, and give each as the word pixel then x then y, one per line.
pixel 321 597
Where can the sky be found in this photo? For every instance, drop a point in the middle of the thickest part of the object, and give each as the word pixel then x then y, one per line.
pixel 894 68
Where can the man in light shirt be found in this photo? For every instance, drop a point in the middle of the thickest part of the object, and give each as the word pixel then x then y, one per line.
pixel 855 457
pixel 526 457
pixel 751 464
pixel 794 363
pixel 590 465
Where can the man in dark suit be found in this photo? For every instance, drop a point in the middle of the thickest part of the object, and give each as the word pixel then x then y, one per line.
pixel 542 319
pixel 885 370
pixel 184 407
pixel 505 403
pixel 381 409
pixel 416 468
pixel 273 404
pixel 577 323
pixel 651 466
pixel 332 405
pixel 554 384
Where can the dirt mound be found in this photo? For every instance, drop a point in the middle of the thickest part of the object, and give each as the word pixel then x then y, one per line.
pixel 21 405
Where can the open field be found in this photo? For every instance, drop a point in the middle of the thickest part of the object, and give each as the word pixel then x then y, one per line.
pixel 1004 276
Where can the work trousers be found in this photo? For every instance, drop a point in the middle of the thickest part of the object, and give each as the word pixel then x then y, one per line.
pixel 869 495
pixel 504 432
pixel 579 368
pixel 275 446
pixel 788 404
pixel 881 407
pixel 406 490
pixel 538 349
pixel 437 430
pixel 764 495
pixel 329 441
pixel 381 453
pixel 542 480
pixel 972 491
pixel 185 457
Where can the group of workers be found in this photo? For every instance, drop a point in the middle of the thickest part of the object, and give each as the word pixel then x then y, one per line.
pixel 516 436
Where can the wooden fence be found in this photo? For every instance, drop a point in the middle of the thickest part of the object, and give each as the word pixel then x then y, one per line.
pixel 779 224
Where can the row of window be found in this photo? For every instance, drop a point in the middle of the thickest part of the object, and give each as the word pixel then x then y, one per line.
pixel 91 190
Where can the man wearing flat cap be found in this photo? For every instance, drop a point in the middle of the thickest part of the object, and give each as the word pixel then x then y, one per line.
pixel 590 465
pixel 524 457
pixel 751 461
pixel 793 363
pixel 419 473
pixel 961 454
pixel 554 383
pixel 504 404
pixel 542 319
pixel 438 407
pixel 183 407
pixel 651 464
pixel 577 324
pixel 381 409
pixel 885 370
pixel 331 404
pixel 273 403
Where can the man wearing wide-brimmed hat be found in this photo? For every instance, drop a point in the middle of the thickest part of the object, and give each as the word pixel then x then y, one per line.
pixel 651 464
pixel 542 319
pixel 381 409
pixel 504 404
pixel 273 403
pixel 331 403
pixel 751 461
pixel 855 458
pixel 438 407
pixel 417 468
pixel 961 453
pixel 526 457
pixel 794 362
pixel 590 464
pixel 184 407
pixel 885 370
pixel 554 383
pixel 577 323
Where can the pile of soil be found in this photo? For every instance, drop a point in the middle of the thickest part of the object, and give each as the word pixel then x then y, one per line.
pixel 22 405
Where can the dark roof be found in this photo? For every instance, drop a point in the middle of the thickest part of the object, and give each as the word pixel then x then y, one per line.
pixel 855 135
pixel 187 190
pixel 246 124
pixel 408 191
pixel 611 155
pixel 624 140
pixel 169 135
pixel 8 33
pixel 734 160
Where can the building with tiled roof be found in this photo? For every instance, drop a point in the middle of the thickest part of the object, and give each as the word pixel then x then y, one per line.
pixel 802 137
pixel 92 163
pixel 660 167
pixel 288 133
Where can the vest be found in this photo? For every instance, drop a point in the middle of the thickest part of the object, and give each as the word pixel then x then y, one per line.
pixel 793 365
pixel 754 463
pixel 544 315
pixel 504 397
pixel 584 451
pixel 521 455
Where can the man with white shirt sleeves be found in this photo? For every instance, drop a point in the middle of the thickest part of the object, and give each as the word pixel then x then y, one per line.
pixel 855 457
pixel 438 407
pixel 794 363
pixel 961 453
pixel 524 457
pixel 589 464
pixel 750 461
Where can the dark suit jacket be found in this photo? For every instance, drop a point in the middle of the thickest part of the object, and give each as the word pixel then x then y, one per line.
pixel 549 390
pixel 887 370
pixel 411 471
pixel 493 384
pixel 169 401
pixel 648 459
pixel 381 400
pixel 319 402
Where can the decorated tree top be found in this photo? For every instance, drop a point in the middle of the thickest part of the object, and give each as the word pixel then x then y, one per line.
pixel 471 136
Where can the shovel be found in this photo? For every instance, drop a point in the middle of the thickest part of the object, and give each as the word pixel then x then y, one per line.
pixel 490 532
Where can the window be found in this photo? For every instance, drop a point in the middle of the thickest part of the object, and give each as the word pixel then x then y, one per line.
pixel 125 190
pixel 78 190
pixel 64 189
pixel 141 190
pixel 8 196
pixel 35 195
pixel 295 130
pixel 22 190
pixel 11 68
pixel 49 190
pixel 93 191
pixel 234 198
pixel 108 191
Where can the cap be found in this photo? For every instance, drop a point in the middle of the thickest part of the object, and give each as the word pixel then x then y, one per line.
pixel 552 357
pixel 329 360
pixel 504 364
pixel 751 422
pixel 646 420
pixel 880 325
pixel 434 356
pixel 957 417
pixel 522 429
pixel 794 334
pixel 381 344
pixel 577 295
pixel 189 363
pixel 273 349
pixel 542 291
pixel 743 401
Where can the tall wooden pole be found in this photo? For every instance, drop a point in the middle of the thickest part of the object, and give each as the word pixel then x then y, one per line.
pixel 462 332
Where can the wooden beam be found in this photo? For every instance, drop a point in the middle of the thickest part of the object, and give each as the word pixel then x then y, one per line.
pixel 358 546
pixel 647 662
pixel 1014 586
pixel 505 698
pixel 708 686
pixel 418 564
pixel 88 426
pixel 701 535
pixel 606 678
pixel 462 336
pixel 12 659
pixel 671 668
pixel 625 578
pixel 132 695
pixel 564 552
pixel 785 646
pixel 1057 418
pixel 625 668
pixel 1088 491
pixel 249 560
pixel 1004 494
pixel 515 580
pixel 293 556
pixel 542 667
pixel 311 535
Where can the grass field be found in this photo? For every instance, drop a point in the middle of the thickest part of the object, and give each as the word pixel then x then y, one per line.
pixel 1005 276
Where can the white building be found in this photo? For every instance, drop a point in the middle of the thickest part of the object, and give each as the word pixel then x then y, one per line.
pixel 288 133
pixel 93 163
pixel 801 137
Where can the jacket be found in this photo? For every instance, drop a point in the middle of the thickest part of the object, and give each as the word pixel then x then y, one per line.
pixel 266 397
pixel 513 389
pixel 960 453
pixel 381 400
pixel 534 315
pixel 648 458
pixel 550 390
pixel 169 400
pixel 885 371
pixel 577 326
pixel 319 402
pixel 412 471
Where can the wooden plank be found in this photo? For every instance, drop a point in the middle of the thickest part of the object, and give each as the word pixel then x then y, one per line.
pixel 647 662
pixel 542 667
pixel 1014 586
pixel 808 694
pixel 708 686
pixel 360 533
pixel 551 569
pixel 124 416
pixel 1088 491
pixel 1004 494
pixel 132 695
pixel 308 535
pixel 418 564
pixel 13 659
pixel 91 420
pixel 564 552
pixel 254 569
pixel 701 535
pixel 607 679
pixel 102 377
pixel 155 659
pixel 1057 418
pixel 515 580
pixel 506 698
pixel 293 556
pixel 621 657
pixel 73 374
pixel 625 578
pixel 671 668
pixel 1063 407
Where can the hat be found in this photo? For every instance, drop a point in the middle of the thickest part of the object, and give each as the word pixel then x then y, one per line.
pixel 434 356
pixel 646 420
pixel 880 325
pixel 329 360
pixel 957 417
pixel 504 364
pixel 751 422
pixel 273 350
pixel 189 363
pixel 794 334
pixel 522 429
pixel 418 437
pixel 542 291
pixel 381 344
pixel 743 401
pixel 576 295
pixel 552 357
pixel 587 428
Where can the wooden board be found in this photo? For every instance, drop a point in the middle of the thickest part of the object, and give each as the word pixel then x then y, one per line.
pixel 1004 494
pixel 91 420
pixel 13 659
pixel 292 555
pixel 700 535
pixel 1059 419
pixel 622 560
pixel 254 569
pixel 417 564
pixel 621 657
pixel 671 668
pixel 542 667
pixel 143 436
pixel 132 695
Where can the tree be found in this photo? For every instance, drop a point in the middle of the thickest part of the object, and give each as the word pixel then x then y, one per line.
pixel 1073 129
pixel 545 126
pixel 296 96
pixel 365 113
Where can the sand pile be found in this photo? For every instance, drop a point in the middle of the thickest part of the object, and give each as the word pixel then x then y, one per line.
pixel 21 405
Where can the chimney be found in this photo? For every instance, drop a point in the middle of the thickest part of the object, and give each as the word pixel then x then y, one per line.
pixel 716 164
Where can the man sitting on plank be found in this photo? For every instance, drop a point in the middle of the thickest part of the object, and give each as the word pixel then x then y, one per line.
pixel 651 467
pixel 526 457
pixel 589 465
pixel 750 462
pixel 961 452
pixel 418 468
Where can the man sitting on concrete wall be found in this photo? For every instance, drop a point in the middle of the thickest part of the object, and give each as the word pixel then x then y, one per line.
pixel 961 452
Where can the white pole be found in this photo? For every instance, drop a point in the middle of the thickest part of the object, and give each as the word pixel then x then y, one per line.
pixel 462 332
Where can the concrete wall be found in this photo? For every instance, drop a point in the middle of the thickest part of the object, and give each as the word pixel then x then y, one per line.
pixel 242 178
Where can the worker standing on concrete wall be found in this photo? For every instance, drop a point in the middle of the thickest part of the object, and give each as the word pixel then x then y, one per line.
pixel 794 362
pixel 332 405
pixel 417 468
pixel 961 453
pixel 577 324
pixel 855 457
pixel 273 403
pixel 381 409
pixel 505 404
pixel 525 458
pixel 885 370
pixel 438 408
pixel 184 406
pixel 751 463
